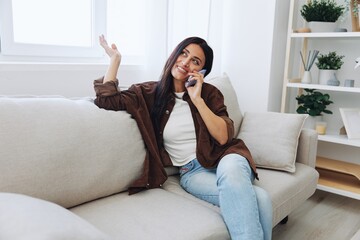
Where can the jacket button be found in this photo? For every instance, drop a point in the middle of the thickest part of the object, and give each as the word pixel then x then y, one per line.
pixel 167 111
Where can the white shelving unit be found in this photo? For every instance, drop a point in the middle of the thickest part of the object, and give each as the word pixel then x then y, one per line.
pixel 336 176
pixel 328 36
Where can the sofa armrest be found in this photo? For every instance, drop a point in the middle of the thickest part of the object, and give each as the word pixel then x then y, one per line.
pixel 307 147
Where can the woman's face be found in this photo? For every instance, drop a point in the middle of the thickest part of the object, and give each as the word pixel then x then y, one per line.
pixel 191 59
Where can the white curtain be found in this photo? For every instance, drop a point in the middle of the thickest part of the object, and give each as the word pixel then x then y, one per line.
pixel 171 21
pixel 201 18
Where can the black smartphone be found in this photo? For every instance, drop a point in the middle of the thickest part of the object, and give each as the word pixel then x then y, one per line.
pixel 191 83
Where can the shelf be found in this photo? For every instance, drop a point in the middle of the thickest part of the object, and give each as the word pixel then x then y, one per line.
pixel 323 185
pixel 339 166
pixel 339 177
pixel 340 139
pixel 328 35
pixel 324 87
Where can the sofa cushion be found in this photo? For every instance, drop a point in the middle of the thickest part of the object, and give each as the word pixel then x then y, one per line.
pixel 172 184
pixel 67 151
pixel 153 214
pixel 24 217
pixel 223 83
pixel 272 138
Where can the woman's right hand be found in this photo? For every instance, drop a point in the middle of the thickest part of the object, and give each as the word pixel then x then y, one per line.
pixel 115 59
pixel 110 51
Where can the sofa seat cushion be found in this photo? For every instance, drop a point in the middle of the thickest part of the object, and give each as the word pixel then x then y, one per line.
pixel 153 214
pixel 23 217
pixel 288 190
pixel 172 184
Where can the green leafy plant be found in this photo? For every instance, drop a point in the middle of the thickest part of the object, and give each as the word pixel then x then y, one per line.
pixel 322 11
pixel 329 61
pixel 313 102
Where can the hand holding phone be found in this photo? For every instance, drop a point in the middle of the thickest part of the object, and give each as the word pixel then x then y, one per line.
pixel 190 82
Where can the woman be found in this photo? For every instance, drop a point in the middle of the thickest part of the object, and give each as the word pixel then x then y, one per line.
pixel 189 127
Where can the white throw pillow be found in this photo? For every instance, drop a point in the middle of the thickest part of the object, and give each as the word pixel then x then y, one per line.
pixel 23 217
pixel 272 138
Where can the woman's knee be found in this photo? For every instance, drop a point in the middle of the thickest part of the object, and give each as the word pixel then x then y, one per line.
pixel 233 163
pixel 234 168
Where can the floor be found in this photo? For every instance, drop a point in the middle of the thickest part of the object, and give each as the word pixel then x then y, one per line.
pixel 323 216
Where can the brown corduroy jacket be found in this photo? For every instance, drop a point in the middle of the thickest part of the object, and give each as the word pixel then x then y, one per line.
pixel 138 101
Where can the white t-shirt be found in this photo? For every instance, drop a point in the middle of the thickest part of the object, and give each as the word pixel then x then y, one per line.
pixel 179 133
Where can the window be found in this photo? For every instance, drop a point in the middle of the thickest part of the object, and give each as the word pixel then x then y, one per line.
pixel 53 23
pixel 62 28
pixel 145 31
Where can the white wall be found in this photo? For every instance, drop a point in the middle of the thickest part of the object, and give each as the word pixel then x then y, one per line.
pixel 253 54
pixel 240 32
pixel 69 80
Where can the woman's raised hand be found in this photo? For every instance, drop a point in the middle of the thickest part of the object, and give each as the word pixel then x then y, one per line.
pixel 115 59
pixel 110 51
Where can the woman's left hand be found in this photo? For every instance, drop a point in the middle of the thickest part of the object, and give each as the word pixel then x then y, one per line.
pixel 216 125
pixel 195 91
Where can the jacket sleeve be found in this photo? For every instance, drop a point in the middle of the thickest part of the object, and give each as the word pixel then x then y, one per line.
pixel 109 97
pixel 216 103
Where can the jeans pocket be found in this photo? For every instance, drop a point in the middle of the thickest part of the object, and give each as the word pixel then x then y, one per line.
pixel 186 168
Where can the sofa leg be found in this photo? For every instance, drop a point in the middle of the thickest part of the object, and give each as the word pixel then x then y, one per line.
pixel 284 221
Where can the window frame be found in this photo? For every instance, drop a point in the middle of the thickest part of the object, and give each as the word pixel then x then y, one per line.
pixel 10 48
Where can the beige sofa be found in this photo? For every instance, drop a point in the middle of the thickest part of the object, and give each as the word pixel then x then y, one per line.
pixel 65 166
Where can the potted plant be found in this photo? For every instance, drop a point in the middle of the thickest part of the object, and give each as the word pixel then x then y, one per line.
pixel 322 14
pixel 313 103
pixel 328 65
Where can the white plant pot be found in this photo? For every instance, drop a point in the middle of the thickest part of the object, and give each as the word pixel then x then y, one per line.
pixel 306 77
pixel 325 76
pixel 310 121
pixel 322 26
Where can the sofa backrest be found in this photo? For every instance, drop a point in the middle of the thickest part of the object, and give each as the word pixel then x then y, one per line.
pixel 66 151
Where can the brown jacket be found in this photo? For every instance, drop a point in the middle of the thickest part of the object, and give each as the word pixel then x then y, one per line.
pixel 138 101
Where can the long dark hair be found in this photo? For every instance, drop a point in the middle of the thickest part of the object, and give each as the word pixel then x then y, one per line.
pixel 165 88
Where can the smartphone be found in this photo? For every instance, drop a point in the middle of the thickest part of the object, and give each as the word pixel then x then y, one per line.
pixel 191 83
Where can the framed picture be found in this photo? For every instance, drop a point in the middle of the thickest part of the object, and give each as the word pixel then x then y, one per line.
pixel 355 20
pixel 351 119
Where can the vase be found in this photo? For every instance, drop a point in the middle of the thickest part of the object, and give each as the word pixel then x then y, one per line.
pixel 306 77
pixel 333 81
pixel 322 26
pixel 325 75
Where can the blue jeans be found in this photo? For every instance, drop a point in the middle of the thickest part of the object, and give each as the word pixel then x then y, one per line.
pixel 246 208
